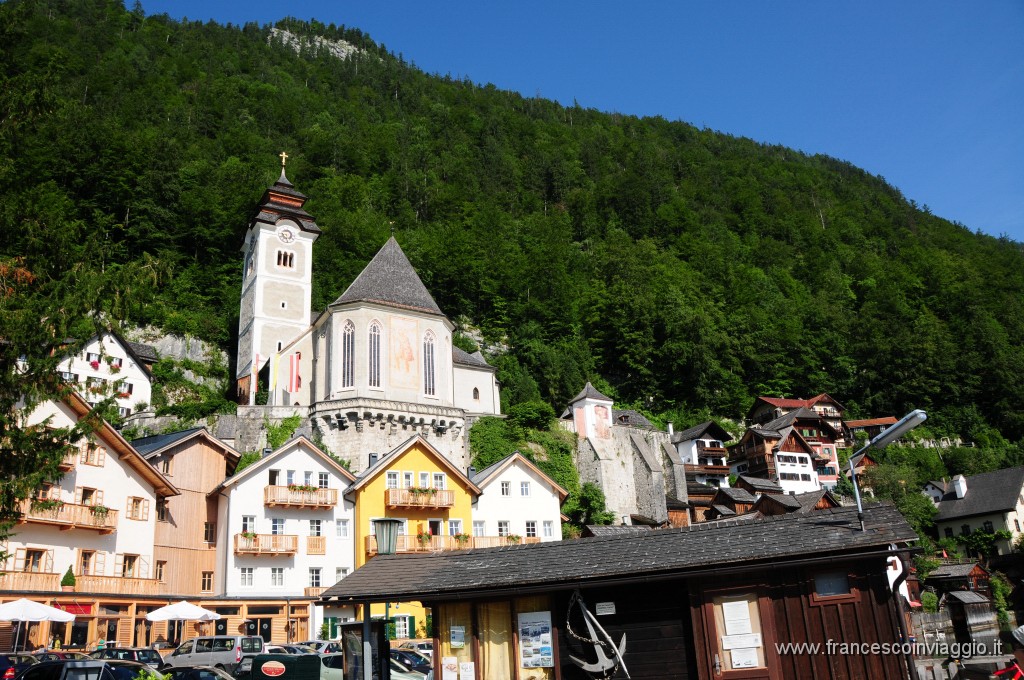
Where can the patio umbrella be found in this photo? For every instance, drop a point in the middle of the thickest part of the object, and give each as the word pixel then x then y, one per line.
pixel 29 610
pixel 182 611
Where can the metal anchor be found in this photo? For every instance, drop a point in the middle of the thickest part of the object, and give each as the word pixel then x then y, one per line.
pixel 604 662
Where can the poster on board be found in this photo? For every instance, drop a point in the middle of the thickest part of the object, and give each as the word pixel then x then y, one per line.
pixel 535 650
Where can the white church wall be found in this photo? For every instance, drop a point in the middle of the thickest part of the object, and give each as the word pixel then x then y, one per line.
pixel 475 390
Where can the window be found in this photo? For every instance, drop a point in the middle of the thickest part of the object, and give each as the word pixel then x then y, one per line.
pixel 476 394
pixel 341 528
pixel 1016 524
pixel 92 454
pixel 406 480
pixel 116 362
pixel 207 582
pixel 88 496
pixel 531 529
pixel 440 480
pixel 506 488
pixel 549 528
pixel 161 509
pixel 321 480
pixel 987 527
pixel 503 528
pixel 245 574
pixel 273 476
pixel 307 478
pixel 479 527
pixel 374 354
pixel 165 466
pixel 401 627
pixel 129 566
pixel 160 570
pixel 315 527
pixel 210 532
pixel 68 376
pixel 290 477
pixel 36 561
pixel 524 488
pixel 277 527
pixel 86 563
pixel 424 479
pixel 285 259
pixel 948 532
pixel 340 573
pixel 965 529
pixel 831 584
pixel 92 357
pixel 314 577
pixel 805 478
pixel 429 387
pixel 138 508
pixel 348 355
pixel 392 480
pixel 249 523
pixel 454 527
pixel 277 576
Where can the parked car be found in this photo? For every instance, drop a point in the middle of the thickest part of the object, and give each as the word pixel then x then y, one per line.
pixel 399 672
pixel 195 673
pixel 144 655
pixel 332 666
pixel 60 655
pixel 12 664
pixel 292 648
pixel 424 647
pixel 323 646
pixel 219 651
pixel 412 660
pixel 76 669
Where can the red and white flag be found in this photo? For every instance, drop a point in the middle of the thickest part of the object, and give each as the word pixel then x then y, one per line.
pixel 294 379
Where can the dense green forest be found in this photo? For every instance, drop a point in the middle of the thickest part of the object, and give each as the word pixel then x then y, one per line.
pixel 681 269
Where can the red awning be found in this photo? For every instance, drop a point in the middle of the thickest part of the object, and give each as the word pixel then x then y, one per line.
pixel 76 609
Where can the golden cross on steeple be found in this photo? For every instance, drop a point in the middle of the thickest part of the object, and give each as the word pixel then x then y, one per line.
pixel 284 158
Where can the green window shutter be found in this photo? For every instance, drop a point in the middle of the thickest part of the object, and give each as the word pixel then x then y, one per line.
pixel 412 626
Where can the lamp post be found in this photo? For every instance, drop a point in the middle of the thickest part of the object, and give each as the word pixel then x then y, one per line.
pixel 880 441
pixel 386 531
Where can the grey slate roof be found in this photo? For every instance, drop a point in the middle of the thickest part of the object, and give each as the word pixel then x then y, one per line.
pixel 697 431
pixel 461 356
pixel 761 484
pixel 390 279
pixel 631 418
pixel 989 492
pixel 597 530
pixel 143 351
pixel 801 502
pixel 953 570
pixel 589 392
pixel 967 597
pixel 659 553
pixel 737 495
pixel 673 503
pixel 147 445
pixel 723 510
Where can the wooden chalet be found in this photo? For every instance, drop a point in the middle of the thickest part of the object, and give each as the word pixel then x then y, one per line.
pixel 770 505
pixel 678 512
pixel 711 601
pixel 757 486
pixel 960 576
pixel 729 502
pixel 699 498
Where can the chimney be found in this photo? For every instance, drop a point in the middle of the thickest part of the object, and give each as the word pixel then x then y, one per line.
pixel 671 430
pixel 267 451
pixel 373 459
pixel 472 471
pixel 960 486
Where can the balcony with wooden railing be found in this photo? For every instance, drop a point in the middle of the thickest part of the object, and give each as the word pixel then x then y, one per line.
pixel 70 516
pixel 419 498
pixel 30 580
pixel 411 544
pixel 692 469
pixel 316 545
pixel 299 496
pixel 266 544
pixel 310 591
pixel 68 462
pixel 116 585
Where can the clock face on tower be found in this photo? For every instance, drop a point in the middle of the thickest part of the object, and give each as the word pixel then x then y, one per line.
pixel 286 235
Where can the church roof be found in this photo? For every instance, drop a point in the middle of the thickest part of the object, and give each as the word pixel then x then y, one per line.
pixel 281 200
pixel 589 392
pixel 461 356
pixel 390 279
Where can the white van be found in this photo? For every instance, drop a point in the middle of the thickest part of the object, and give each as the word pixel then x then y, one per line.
pixel 219 651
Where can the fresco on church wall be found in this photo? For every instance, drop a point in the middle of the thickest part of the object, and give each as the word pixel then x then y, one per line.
pixel 601 420
pixel 404 371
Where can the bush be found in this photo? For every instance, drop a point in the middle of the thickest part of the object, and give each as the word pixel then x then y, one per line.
pixel 69 578
pixel 930 602
pixel 532 414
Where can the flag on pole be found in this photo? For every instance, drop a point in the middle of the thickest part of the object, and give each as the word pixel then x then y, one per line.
pixel 274 363
pixel 294 379
pixel 256 375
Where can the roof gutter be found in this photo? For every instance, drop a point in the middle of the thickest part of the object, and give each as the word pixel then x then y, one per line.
pixel 612 581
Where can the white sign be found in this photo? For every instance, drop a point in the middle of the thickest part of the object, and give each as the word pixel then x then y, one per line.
pixel 535 650
pixel 737 617
pixel 467 670
pixel 457 638
pixel 744 658
pixel 741 641
pixel 604 608
pixel 449 668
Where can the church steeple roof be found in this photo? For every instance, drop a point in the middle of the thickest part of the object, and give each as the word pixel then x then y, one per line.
pixel 282 200
pixel 390 279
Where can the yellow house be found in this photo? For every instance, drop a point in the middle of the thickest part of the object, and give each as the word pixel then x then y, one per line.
pixel 433 499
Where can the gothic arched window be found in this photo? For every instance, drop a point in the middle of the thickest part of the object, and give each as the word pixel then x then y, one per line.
pixel 429 381
pixel 374 354
pixel 348 355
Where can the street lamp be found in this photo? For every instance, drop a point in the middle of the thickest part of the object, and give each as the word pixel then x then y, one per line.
pixel 880 441
pixel 386 530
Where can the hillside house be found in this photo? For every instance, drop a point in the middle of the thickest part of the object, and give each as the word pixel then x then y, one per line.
pixel 781 455
pixel 989 502
pixel 766 409
pixel 702 451
pixel 110 365
pixel 517 498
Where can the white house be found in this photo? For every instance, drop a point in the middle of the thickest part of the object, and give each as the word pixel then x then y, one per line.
pixel 988 502
pixel 99 519
pixel 286 525
pixel 107 365
pixel 517 499
pixel 702 451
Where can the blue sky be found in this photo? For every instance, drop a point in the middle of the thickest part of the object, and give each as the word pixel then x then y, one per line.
pixel 929 95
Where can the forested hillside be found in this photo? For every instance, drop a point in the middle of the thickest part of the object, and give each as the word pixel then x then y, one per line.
pixel 683 270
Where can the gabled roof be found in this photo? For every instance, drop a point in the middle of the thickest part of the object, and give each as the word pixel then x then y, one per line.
pixel 886 420
pixel 147 354
pixel 268 460
pixel 788 419
pixel 597 530
pixel 281 200
pixel 824 396
pixel 709 427
pixel 125 451
pixel 761 484
pixel 476 359
pixel 385 462
pixel 485 476
pixel 956 570
pixel 151 447
pixel 800 502
pixel 736 495
pixel 967 597
pixel 987 493
pixel 698 489
pixel 723 510
pixel 630 418
pixel 673 503
pixel 589 392
pixel 784 402
pixel 658 554
pixel 389 279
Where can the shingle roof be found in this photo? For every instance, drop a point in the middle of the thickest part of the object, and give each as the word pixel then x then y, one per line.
pixel 761 484
pixel 697 431
pixel 673 503
pixel 698 489
pixel 282 200
pixel 589 392
pixel 147 445
pixel 598 530
pixel 461 356
pixel 954 570
pixel 723 510
pixel 989 492
pixel 967 596
pixel 887 420
pixel 737 495
pixel 390 279
pixel 143 351
pixel 667 553
pixel 631 418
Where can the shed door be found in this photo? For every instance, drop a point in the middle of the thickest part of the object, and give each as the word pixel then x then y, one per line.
pixel 739 641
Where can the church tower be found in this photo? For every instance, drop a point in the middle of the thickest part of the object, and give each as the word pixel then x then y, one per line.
pixel 277 281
